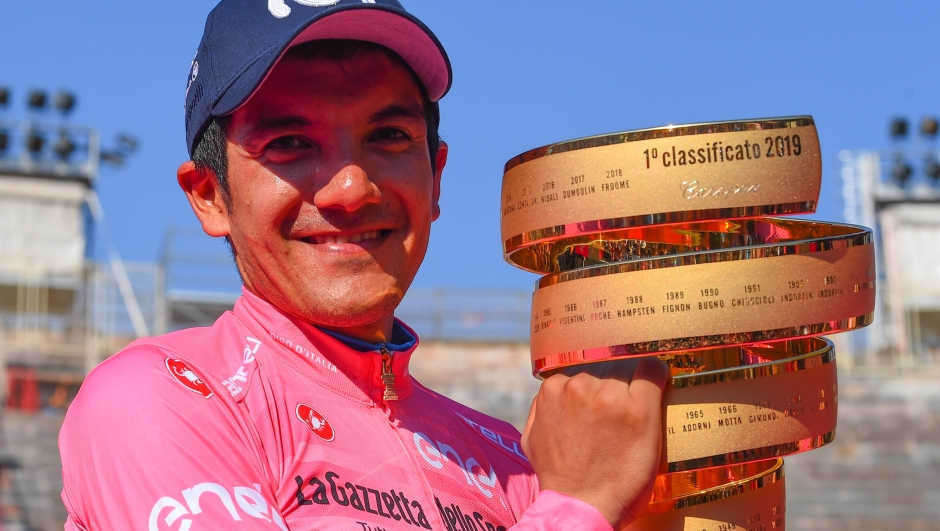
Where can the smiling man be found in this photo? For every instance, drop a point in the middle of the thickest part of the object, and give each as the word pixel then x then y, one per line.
pixel 330 191
pixel 312 127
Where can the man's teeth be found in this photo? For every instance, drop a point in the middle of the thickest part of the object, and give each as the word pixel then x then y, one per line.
pixel 346 238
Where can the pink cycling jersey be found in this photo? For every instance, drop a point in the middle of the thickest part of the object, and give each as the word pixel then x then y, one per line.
pixel 264 422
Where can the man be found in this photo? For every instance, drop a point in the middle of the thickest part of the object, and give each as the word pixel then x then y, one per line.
pixel 312 126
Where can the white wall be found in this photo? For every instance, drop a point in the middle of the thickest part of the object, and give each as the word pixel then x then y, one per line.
pixel 41 226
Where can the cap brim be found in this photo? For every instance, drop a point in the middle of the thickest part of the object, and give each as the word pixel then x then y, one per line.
pixel 396 30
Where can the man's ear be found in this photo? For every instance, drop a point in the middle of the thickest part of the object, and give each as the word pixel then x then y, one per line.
pixel 441 159
pixel 205 197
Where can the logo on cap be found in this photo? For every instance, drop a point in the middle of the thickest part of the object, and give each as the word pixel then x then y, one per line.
pixel 315 421
pixel 190 380
pixel 193 74
pixel 280 9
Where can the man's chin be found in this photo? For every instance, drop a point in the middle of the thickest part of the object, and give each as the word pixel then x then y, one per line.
pixel 351 313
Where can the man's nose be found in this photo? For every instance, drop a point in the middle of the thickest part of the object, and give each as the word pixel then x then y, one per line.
pixel 349 189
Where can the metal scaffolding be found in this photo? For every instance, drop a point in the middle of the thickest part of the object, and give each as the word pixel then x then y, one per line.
pixel 879 192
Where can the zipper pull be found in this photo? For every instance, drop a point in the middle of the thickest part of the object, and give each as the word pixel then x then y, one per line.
pixel 388 375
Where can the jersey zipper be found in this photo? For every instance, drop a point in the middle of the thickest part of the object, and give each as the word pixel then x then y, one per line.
pixel 388 375
pixel 421 512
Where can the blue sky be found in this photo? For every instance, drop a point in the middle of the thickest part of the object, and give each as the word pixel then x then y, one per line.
pixel 527 73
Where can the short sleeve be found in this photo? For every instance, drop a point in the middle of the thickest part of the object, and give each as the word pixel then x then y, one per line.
pixel 553 511
pixel 148 445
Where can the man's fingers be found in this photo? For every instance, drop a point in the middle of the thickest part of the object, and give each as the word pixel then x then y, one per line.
pixel 649 380
pixel 654 370
pixel 621 369
pixel 644 378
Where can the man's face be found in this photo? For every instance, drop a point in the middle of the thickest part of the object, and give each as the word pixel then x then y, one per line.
pixel 331 189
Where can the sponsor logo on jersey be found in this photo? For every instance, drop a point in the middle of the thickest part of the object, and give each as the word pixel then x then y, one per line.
pixel 389 504
pixel 437 453
pixel 508 444
pixel 241 375
pixel 189 379
pixel 455 519
pixel 239 503
pixel 315 421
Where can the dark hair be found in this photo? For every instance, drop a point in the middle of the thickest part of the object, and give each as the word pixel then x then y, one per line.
pixel 210 151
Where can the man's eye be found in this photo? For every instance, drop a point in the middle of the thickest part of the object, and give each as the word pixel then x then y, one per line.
pixel 390 135
pixel 288 142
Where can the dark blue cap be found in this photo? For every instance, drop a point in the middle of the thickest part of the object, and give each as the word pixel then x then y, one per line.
pixel 244 39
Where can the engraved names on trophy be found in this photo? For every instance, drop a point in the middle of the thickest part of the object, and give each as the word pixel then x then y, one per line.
pixel 704 303
pixel 706 423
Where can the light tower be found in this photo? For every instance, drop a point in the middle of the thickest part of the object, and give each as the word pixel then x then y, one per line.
pixel 897 192
pixel 48 171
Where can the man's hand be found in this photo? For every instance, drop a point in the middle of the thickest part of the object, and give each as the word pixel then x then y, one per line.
pixel 595 433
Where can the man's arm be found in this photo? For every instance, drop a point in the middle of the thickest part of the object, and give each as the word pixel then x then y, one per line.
pixel 608 450
pixel 140 450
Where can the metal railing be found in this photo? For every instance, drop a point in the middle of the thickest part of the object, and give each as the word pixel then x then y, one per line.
pixel 471 315
pixel 66 326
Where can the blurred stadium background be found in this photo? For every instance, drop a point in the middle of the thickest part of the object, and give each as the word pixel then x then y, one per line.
pixel 62 313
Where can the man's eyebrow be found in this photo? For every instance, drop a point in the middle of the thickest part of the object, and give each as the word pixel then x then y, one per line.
pixel 415 112
pixel 266 125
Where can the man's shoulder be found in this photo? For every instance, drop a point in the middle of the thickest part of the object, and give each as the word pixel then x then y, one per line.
pixel 144 376
pixel 150 364
pixel 152 373
pixel 218 352
pixel 207 347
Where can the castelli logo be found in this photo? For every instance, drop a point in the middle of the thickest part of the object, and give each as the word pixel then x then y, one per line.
pixel 315 421
pixel 190 380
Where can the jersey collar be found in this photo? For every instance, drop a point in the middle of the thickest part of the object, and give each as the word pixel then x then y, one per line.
pixel 334 362
pixel 402 339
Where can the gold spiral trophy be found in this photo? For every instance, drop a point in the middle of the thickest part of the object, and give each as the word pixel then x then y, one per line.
pixel 654 243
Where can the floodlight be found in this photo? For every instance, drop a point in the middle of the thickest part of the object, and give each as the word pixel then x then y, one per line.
pixel 898 128
pixel 64 102
pixel 932 169
pixel 35 142
pixel 113 158
pixel 127 143
pixel 63 147
pixel 36 100
pixel 901 172
pixel 929 127
pixel 4 96
pixel 4 141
